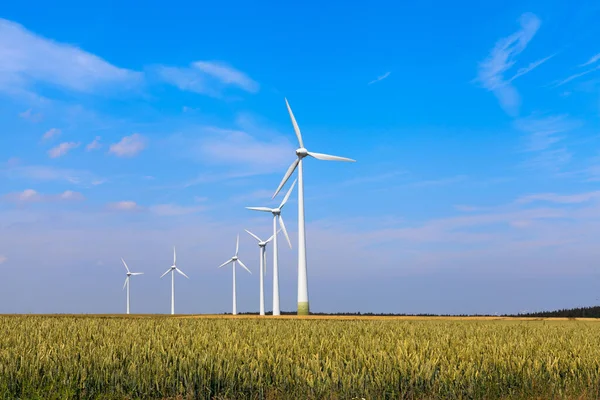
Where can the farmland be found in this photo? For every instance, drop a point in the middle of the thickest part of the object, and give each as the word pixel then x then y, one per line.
pixel 158 357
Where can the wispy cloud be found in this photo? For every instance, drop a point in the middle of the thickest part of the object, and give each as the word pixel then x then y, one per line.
pixel 502 58
pixel 575 76
pixel 125 205
pixel 50 133
pixel 129 146
pixel 207 77
pixel 62 149
pixel 95 144
pixel 591 61
pixel 530 67
pixel 32 196
pixel 438 182
pixel 30 115
pixel 543 132
pixel 29 59
pixel 43 173
pixel 380 78
pixel 171 210
pixel 557 198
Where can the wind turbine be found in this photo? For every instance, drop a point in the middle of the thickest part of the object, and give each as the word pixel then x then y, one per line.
pixel 262 244
pixel 301 153
pixel 276 216
pixel 233 260
pixel 172 271
pixel 129 274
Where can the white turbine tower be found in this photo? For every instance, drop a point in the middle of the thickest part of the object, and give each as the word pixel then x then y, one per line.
pixel 276 216
pixel 172 271
pixel 301 153
pixel 129 274
pixel 262 244
pixel 233 260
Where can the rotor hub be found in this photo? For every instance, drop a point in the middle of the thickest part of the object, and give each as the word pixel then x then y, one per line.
pixel 262 244
pixel 234 258
pixel 301 152
pixel 276 211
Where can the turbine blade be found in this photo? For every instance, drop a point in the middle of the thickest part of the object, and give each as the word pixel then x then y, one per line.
pixel 265 209
pixel 225 263
pixel 272 236
pixel 296 128
pixel 287 195
pixel 327 157
pixel 287 175
pixel 174 256
pixel 237 244
pixel 137 273
pixel 242 264
pixel 181 272
pixel 284 231
pixel 253 235
pixel 125 264
pixel 125 284
pixel 169 270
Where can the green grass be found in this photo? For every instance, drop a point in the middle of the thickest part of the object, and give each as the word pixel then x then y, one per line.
pixel 67 357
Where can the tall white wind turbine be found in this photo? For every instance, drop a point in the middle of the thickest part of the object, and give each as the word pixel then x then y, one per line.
pixel 262 244
pixel 301 153
pixel 233 260
pixel 129 274
pixel 276 216
pixel 172 271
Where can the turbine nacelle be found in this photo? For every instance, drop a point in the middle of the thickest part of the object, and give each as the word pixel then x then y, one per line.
pixel 301 152
pixel 234 258
pixel 276 211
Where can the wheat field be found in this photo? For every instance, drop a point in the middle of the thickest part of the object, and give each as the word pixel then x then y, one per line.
pixel 160 357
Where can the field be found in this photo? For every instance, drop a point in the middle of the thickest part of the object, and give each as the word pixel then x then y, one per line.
pixel 161 357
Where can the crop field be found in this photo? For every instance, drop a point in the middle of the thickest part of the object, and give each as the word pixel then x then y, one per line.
pixel 243 357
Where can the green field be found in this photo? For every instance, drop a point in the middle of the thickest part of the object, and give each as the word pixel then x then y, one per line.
pixel 156 357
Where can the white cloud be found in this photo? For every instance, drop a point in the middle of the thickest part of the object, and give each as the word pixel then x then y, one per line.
pixel 3 259
pixel 561 199
pixel 380 78
pixel 51 133
pixel 28 58
pixel 129 146
pixel 530 67
pixel 207 77
pixel 40 173
pixel 123 206
pixel 591 61
pixel 543 132
pixel 575 76
pixel 175 210
pixel 32 196
pixel 502 58
pixel 30 115
pixel 62 149
pixel 95 144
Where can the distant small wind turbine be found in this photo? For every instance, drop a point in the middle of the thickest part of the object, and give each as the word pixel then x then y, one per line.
pixel 233 260
pixel 129 274
pixel 172 271
pixel 301 153
pixel 276 216
pixel 262 244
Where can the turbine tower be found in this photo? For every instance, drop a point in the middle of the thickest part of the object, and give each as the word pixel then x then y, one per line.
pixel 172 271
pixel 233 260
pixel 276 216
pixel 262 244
pixel 301 153
pixel 129 274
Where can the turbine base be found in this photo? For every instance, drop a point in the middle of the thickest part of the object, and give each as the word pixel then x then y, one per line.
pixel 303 308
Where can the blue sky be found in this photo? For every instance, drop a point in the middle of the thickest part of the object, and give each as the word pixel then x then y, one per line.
pixel 125 130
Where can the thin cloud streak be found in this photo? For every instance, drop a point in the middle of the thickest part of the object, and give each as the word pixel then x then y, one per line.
pixel 380 78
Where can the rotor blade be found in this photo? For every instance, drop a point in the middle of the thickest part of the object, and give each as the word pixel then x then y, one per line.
pixel 125 284
pixel 242 264
pixel 181 272
pixel 272 236
pixel 225 263
pixel 284 231
pixel 287 195
pixel 327 157
pixel 296 128
pixel 137 273
pixel 253 235
pixel 237 244
pixel 174 256
pixel 125 264
pixel 265 209
pixel 169 270
pixel 287 175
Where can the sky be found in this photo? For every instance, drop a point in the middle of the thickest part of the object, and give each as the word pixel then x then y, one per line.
pixel 127 130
